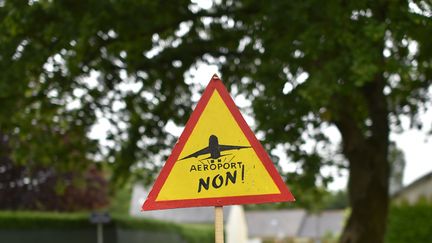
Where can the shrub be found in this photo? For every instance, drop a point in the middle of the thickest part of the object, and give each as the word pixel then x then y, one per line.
pixel 39 220
pixel 410 224
pixel 24 220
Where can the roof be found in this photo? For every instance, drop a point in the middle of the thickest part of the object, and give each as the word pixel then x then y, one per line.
pixel 321 224
pixel 280 223
pixel 417 182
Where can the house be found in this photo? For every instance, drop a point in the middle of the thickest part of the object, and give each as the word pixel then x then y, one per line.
pixel 234 218
pixel 420 189
pixel 294 225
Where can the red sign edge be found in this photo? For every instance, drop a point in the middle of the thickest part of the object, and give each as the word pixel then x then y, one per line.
pixel 216 84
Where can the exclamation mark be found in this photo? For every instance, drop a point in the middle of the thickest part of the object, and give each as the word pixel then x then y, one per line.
pixel 243 173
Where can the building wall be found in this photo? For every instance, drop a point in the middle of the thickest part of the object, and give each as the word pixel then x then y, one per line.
pixel 415 193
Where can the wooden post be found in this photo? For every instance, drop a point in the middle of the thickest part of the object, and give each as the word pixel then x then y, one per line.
pixel 219 224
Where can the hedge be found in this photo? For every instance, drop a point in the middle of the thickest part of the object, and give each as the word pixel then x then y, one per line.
pixel 40 220
pixel 410 224
pixel 52 220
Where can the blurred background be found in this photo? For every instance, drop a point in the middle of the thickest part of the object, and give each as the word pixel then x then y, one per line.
pixel 94 94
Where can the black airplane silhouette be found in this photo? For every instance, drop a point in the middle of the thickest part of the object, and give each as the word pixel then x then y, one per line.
pixel 214 149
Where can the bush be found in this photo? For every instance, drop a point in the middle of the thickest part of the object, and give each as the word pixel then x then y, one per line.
pixel 23 220
pixel 197 233
pixel 41 220
pixel 410 224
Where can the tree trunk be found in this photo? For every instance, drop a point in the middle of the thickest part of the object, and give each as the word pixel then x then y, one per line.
pixel 367 150
pixel 368 194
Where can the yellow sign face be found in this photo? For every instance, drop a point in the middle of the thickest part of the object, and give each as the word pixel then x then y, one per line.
pixel 237 170
pixel 217 161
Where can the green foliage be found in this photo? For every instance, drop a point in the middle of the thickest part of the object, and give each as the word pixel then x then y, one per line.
pixel 410 224
pixel 45 220
pixel 318 65
pixel 330 238
pixel 307 65
pixel 321 66
pixel 304 65
pixel 38 220
pixel 47 189
pixel 120 201
pixel 336 200
pixel 48 105
pixel 198 233
pixel 150 224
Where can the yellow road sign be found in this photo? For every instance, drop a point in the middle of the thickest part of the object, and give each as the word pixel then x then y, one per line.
pixel 217 160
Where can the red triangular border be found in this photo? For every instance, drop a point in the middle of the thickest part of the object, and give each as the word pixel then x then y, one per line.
pixel 216 84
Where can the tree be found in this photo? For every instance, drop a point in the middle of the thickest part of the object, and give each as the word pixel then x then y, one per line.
pixel 45 188
pixel 359 66
pixel 49 49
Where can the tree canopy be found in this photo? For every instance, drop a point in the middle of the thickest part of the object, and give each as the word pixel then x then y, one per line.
pixel 304 65
pixel 48 50
pixel 359 66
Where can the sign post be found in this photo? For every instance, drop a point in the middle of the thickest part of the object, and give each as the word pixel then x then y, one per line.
pixel 219 227
pixel 99 219
pixel 217 161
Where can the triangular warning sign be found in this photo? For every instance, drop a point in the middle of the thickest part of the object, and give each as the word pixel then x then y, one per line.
pixel 217 160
